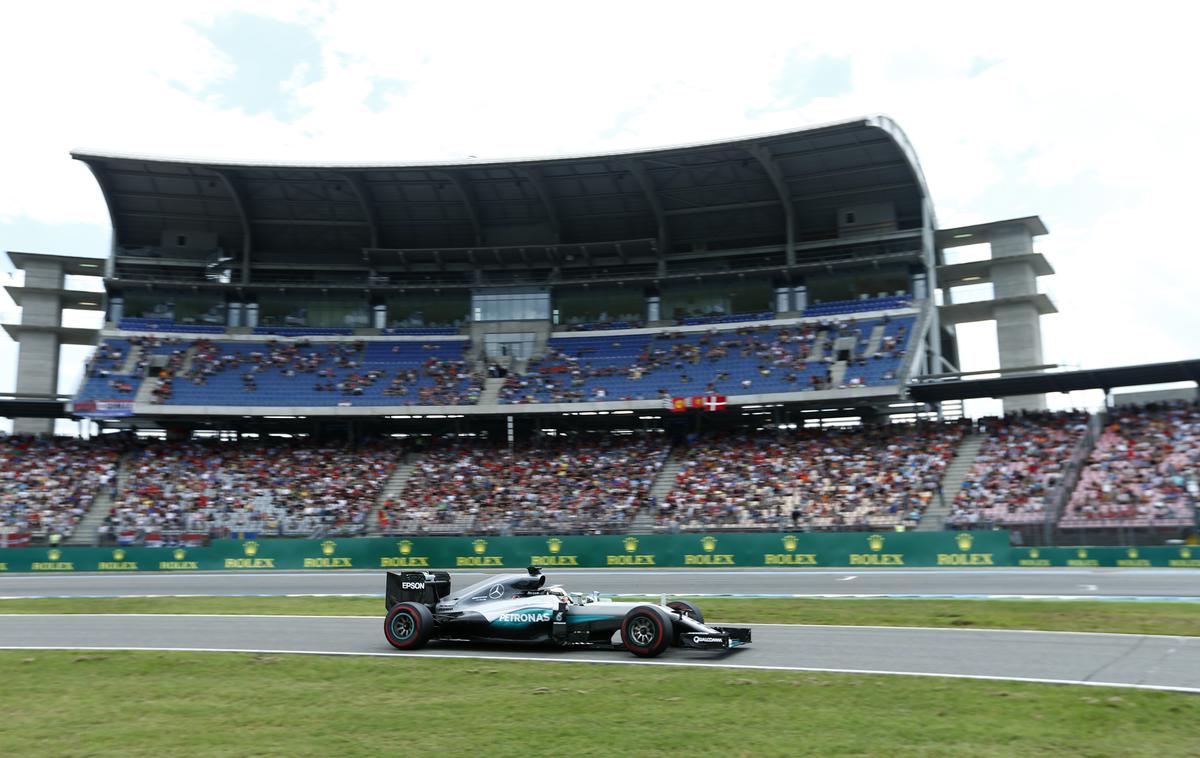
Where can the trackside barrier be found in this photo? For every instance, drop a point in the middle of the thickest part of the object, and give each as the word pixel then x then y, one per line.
pixel 1183 556
pixel 641 551
pixel 770 550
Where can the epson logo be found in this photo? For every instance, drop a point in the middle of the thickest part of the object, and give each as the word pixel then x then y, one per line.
pixel 524 617
pixel 708 639
pixel 412 585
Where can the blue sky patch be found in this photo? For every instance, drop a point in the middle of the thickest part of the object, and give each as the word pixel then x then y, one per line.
pixel 270 57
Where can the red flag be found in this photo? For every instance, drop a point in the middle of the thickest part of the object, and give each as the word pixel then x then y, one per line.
pixel 714 403
pixel 678 405
pixel 696 401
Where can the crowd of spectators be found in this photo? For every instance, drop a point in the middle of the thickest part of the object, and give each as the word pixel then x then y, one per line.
pixel 46 485
pixel 571 486
pixel 333 367
pixel 1020 462
pixel 1143 472
pixel 274 488
pixel 862 478
pixel 725 362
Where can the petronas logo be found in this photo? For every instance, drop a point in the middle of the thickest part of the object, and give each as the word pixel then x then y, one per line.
pixel 118 554
pixel 1185 552
pixel 179 554
pixel 1081 553
pixel 964 541
pixel 1132 552
pixel 405 547
pixel 54 553
pixel 709 544
pixel 875 542
pixel 328 547
pixel 1035 553
pixel 479 546
pixel 630 544
pixel 250 548
pixel 554 544
pixel 790 542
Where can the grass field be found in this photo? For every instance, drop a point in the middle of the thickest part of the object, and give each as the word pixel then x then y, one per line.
pixel 68 704
pixel 1057 615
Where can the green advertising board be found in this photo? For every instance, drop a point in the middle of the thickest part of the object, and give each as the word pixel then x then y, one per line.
pixel 1181 556
pixel 774 549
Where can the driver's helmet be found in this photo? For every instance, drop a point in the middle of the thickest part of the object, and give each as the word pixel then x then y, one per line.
pixel 558 591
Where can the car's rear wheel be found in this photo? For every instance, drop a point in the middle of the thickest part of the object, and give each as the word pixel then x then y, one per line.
pixel 687 609
pixel 646 631
pixel 408 626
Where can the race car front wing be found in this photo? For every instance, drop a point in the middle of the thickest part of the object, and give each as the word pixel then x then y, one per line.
pixel 725 638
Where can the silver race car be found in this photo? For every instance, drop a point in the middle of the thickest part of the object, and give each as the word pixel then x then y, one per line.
pixel 521 608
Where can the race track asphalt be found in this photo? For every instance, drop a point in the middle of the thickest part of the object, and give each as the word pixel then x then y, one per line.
pixel 1156 662
pixel 1136 583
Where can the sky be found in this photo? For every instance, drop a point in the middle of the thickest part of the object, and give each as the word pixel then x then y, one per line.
pixel 1081 112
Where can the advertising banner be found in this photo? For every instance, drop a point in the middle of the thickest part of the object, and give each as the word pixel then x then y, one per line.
pixel 764 550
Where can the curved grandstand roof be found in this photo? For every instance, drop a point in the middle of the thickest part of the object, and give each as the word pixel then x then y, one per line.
pixel 766 189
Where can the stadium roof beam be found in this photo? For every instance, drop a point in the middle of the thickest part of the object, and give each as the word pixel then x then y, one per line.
pixel 762 154
pixel 543 192
pixel 360 191
pixel 638 172
pixel 468 201
pixel 239 203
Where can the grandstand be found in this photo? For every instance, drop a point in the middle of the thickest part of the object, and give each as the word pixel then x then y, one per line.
pixel 743 335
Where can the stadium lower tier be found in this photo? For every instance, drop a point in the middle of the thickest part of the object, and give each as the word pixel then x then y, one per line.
pixel 1143 472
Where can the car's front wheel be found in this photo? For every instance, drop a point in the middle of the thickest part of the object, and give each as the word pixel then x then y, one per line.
pixel 408 626
pixel 646 631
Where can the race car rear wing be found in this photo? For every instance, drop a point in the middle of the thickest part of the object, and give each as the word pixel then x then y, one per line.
pixel 425 587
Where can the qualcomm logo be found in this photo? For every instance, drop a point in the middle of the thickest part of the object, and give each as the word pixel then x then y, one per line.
pixel 525 618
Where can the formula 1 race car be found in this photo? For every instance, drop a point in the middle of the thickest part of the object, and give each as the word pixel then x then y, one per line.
pixel 520 608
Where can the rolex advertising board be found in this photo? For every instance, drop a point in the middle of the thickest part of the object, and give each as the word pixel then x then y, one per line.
pixel 773 549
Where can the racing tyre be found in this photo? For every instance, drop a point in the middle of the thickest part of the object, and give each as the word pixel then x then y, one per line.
pixel 646 631
pixel 408 626
pixel 687 609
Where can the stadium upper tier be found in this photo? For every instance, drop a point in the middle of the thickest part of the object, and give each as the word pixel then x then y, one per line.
pixel 163 369
pixel 743 361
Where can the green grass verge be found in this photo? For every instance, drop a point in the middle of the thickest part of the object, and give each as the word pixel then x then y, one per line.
pixel 1055 615
pixel 180 704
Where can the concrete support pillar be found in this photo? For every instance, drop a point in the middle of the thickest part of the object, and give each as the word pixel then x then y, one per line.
pixel 251 313
pixel 783 298
pixel 379 316
pixel 919 285
pixel 653 308
pixel 799 297
pixel 1019 339
pixel 116 309
pixel 234 315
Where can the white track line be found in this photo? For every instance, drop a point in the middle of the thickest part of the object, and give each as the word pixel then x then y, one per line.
pixel 623 662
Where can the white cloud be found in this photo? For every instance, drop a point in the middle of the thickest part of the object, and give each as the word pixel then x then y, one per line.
pixel 1007 108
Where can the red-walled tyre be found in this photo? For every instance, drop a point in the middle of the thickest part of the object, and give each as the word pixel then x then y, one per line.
pixel 687 609
pixel 647 631
pixel 408 626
